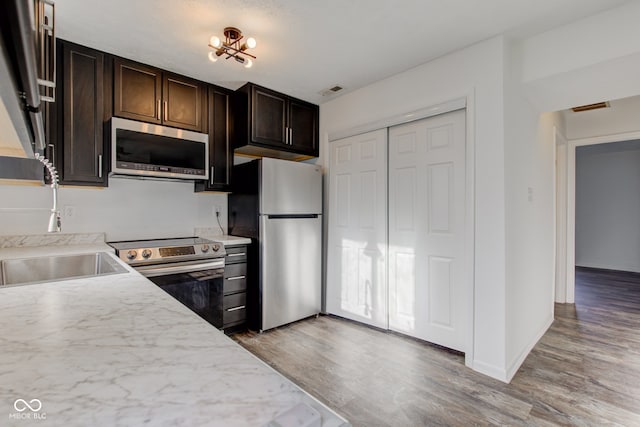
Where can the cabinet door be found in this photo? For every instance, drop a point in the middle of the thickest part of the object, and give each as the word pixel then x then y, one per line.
pixel 183 102
pixel 268 117
pixel 82 114
pixel 137 91
pixel 303 127
pixel 220 136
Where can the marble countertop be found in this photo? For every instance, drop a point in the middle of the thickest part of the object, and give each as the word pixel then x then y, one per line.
pixel 232 240
pixel 118 351
pixel 225 239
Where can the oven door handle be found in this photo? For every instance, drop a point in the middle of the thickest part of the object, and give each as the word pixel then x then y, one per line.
pixel 189 268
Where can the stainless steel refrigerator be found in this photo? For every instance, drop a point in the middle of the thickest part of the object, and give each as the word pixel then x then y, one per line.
pixel 278 204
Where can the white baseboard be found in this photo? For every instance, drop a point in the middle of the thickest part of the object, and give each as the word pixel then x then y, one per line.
pixel 511 371
pixel 490 370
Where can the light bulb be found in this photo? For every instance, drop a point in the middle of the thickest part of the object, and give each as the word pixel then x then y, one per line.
pixel 251 43
pixel 212 56
pixel 248 63
pixel 215 41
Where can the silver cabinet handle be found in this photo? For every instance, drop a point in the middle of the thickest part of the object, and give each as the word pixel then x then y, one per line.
pixel 99 165
pixel 211 177
pixel 238 254
pixel 158 111
pixel 290 136
pixel 236 278
pixel 240 307
pixel 165 110
pixel 286 135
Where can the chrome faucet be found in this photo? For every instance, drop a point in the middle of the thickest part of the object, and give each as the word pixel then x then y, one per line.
pixel 54 219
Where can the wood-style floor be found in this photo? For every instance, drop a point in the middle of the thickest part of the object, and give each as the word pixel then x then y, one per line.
pixel 585 371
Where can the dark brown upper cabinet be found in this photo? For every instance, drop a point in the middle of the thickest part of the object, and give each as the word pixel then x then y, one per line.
pixel 268 117
pixel 272 124
pixel 220 126
pixel 303 126
pixel 81 110
pixel 151 95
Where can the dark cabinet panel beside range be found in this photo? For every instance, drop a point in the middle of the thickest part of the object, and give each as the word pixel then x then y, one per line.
pixel 234 290
pixel 220 127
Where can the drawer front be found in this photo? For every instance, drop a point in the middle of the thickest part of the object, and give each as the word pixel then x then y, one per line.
pixel 235 270
pixel 235 278
pixel 234 308
pixel 235 284
pixel 234 301
pixel 235 254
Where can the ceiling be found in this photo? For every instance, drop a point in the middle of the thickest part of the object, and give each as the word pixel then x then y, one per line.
pixel 306 46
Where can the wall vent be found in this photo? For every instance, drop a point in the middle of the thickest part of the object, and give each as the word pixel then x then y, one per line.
pixel 590 107
pixel 331 90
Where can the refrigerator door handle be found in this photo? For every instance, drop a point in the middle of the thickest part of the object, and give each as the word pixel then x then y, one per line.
pixel 293 216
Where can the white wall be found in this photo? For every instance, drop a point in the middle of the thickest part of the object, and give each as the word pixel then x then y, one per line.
pixel 593 59
pixel 476 71
pixel 620 117
pixel 127 209
pixel 608 206
pixel 514 187
pixel 530 215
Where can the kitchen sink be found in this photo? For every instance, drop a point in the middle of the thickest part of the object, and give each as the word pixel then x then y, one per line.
pixel 54 268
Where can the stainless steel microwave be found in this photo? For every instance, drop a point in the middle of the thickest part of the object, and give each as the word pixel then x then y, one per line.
pixel 143 149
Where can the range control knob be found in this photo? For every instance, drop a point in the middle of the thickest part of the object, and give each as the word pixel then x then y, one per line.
pixel 132 254
pixel 146 253
pixel 205 248
pixel 216 247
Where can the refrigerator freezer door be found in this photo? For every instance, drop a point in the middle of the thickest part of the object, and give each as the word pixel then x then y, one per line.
pixel 290 259
pixel 290 188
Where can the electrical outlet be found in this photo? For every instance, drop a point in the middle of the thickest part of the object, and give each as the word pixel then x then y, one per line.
pixel 69 211
pixel 216 210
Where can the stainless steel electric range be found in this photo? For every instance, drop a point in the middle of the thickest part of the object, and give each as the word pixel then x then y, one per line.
pixel 190 269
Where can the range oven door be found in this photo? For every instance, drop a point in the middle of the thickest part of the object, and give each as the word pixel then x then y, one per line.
pixel 198 286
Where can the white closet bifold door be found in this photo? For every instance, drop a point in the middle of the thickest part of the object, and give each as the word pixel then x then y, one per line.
pixel 357 235
pixel 427 292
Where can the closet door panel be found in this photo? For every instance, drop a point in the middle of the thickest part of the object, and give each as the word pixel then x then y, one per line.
pixel 357 245
pixel 426 229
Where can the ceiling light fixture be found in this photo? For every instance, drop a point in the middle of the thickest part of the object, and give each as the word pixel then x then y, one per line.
pixel 232 46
